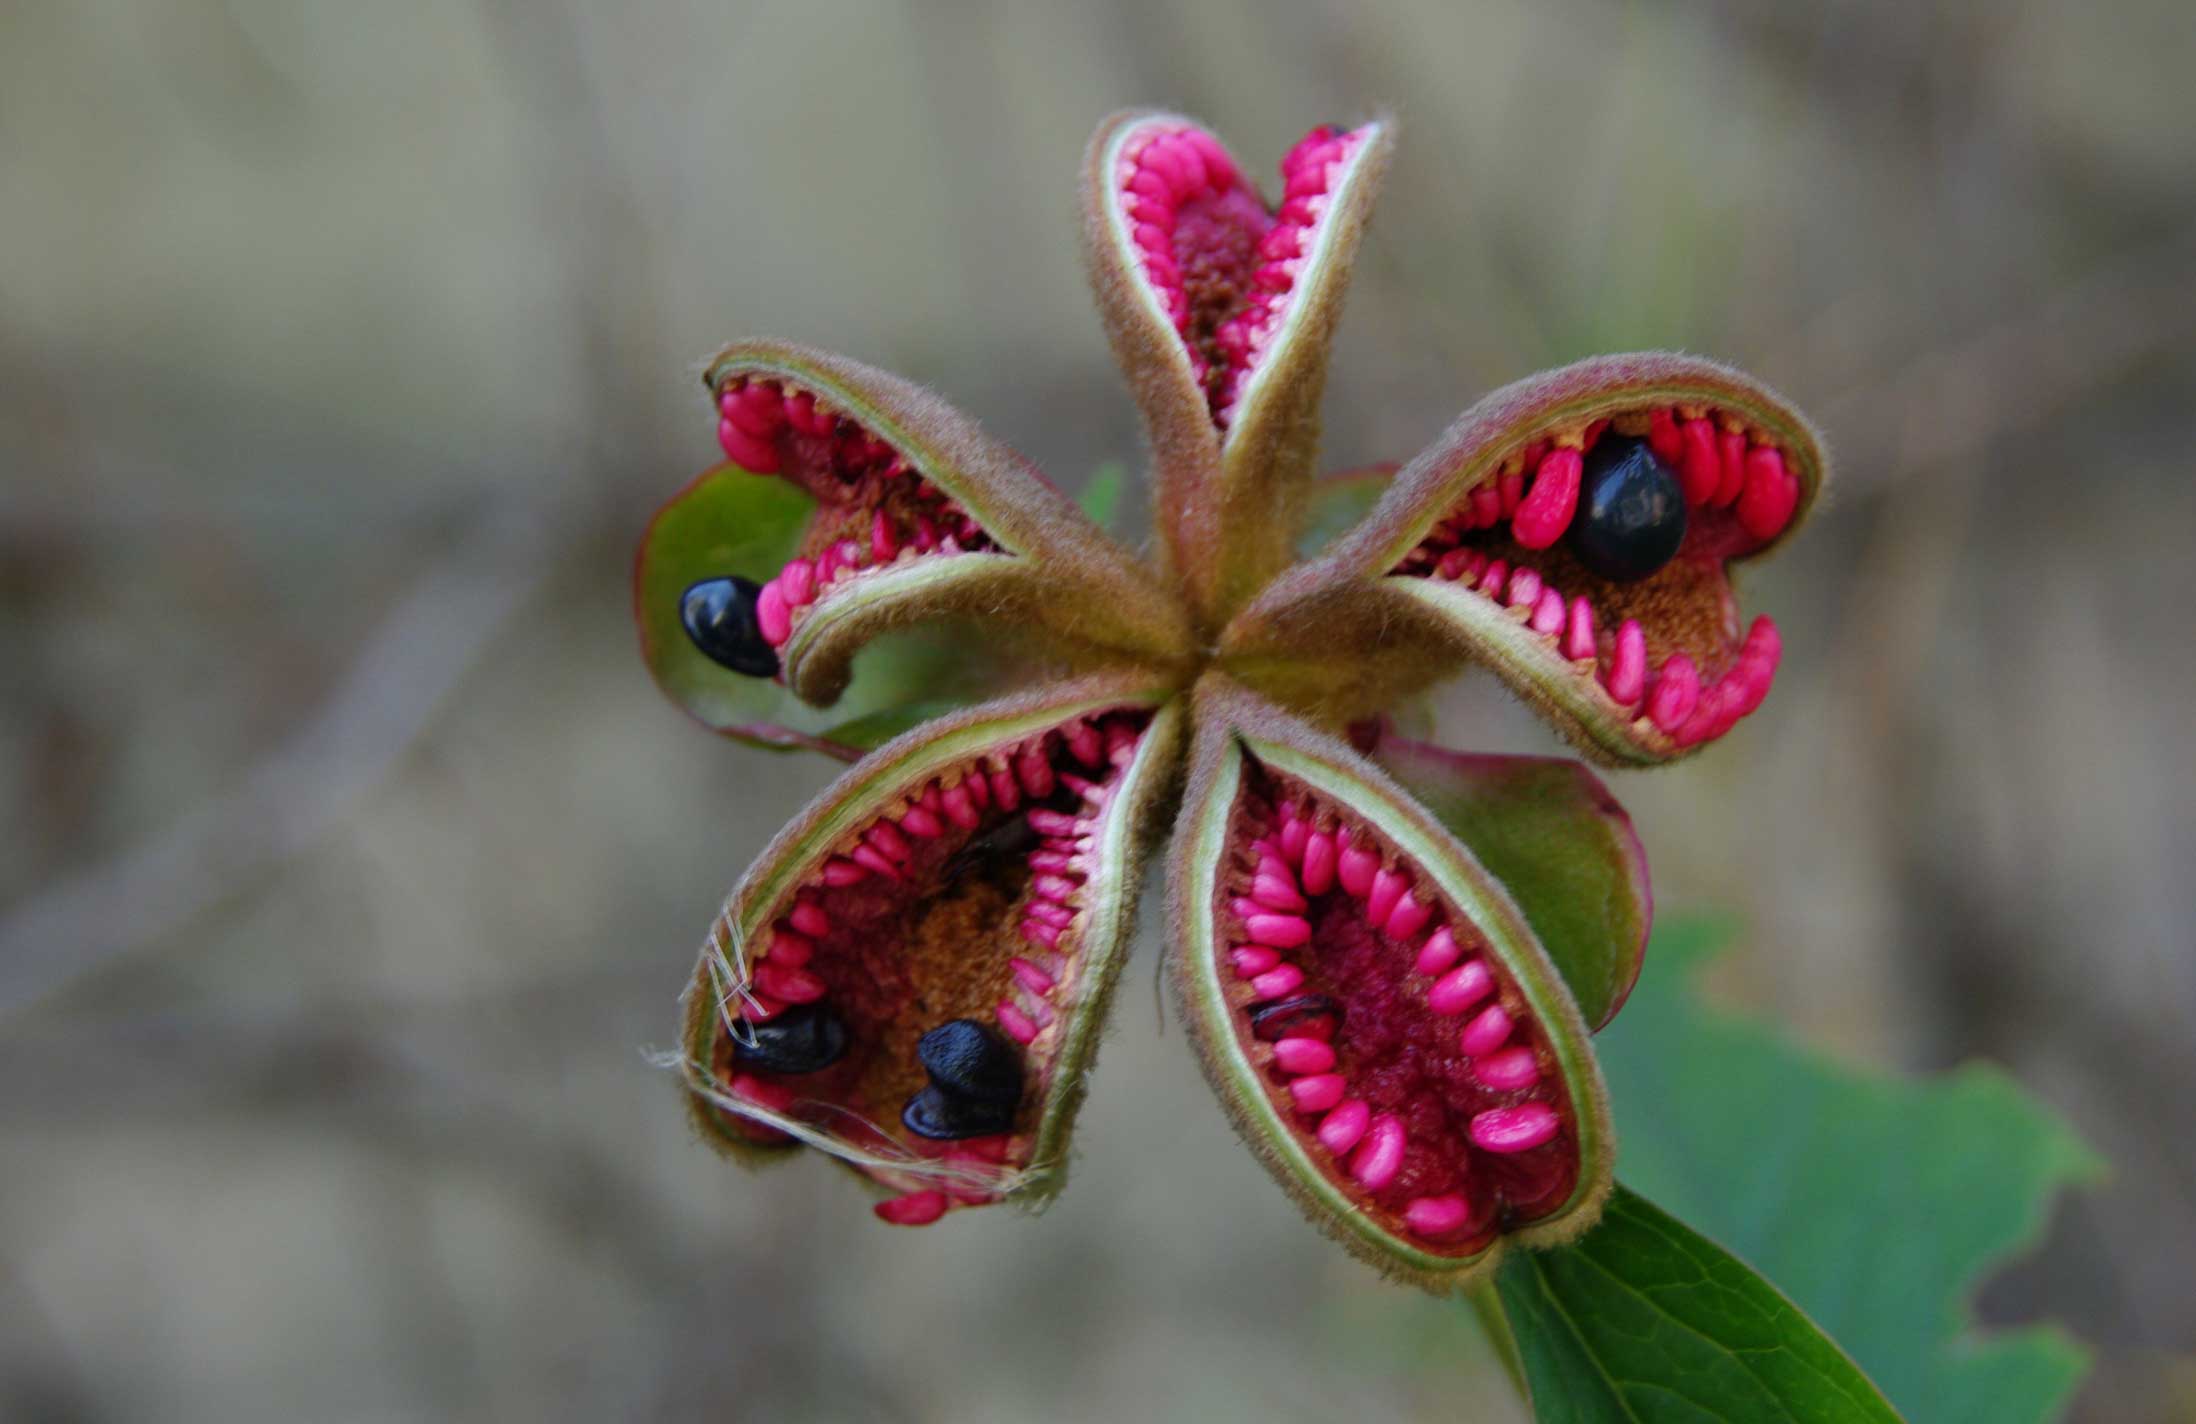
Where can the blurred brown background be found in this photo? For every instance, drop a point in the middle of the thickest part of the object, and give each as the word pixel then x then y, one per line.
pixel 351 862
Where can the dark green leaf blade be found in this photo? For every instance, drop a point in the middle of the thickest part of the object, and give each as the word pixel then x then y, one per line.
pixel 1645 1319
pixel 1878 1203
pixel 1101 495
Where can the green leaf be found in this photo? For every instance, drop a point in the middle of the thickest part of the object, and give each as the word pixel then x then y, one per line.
pixel 1644 1319
pixel 1101 497
pixel 1550 831
pixel 731 522
pixel 1878 1203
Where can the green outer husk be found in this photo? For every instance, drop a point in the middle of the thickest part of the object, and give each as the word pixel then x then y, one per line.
pixel 1331 768
pixel 898 767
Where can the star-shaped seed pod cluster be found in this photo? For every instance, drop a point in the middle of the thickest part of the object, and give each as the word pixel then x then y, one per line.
pixel 1391 955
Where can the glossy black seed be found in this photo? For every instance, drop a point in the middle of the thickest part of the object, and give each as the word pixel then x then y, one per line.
pixel 719 615
pixel 1287 1018
pixel 935 1113
pixel 804 1039
pixel 970 1061
pixel 1631 511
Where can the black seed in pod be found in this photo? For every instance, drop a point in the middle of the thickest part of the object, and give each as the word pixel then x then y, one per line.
pixel 807 1038
pixel 935 1113
pixel 970 1061
pixel 1631 511
pixel 719 616
pixel 1305 1016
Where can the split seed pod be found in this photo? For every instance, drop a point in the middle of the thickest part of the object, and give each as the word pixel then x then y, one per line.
pixel 1222 309
pixel 1373 1008
pixel 1614 616
pixel 982 869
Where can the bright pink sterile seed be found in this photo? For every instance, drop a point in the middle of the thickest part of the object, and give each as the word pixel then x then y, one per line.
pixel 1059 862
pixel 976 789
pixel 1057 888
pixel 1317 1093
pixel 1388 889
pixel 1486 507
pixel 1491 582
pixel 1280 931
pixel 918 821
pixel 886 837
pixel 809 920
pixel 1041 933
pixel 1510 492
pixel 1339 1130
pixel 1437 1216
pixel 1048 822
pixel 1252 960
pixel 1408 917
pixel 1508 1070
pixel 1700 467
pixel 1046 912
pixel 1380 1156
pixel 1029 976
pixel 1277 983
pixel 1006 792
pixel 1663 438
pixel 1295 835
pixel 795 986
pixel 760 421
pixel 1319 863
pixel 1019 1026
pixel 1453 564
pixel 1677 692
pixel 749 1088
pixel 1085 743
pixel 797 583
pixel 1578 631
pixel 1765 505
pixel 1033 1004
pixel 1276 893
pixel 839 872
pixel 1460 988
pixel 1356 868
pixel 884 539
pixel 1036 773
pixel 1731 458
pixel 1627 676
pixel 914 1209
pixel 870 858
pixel 1518 1129
pixel 790 949
pixel 772 617
pixel 1488 1031
pixel 1548 612
pixel 1523 590
pixel 1438 952
pixel 960 806
pixel 1304 1055
pixel 1547 508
